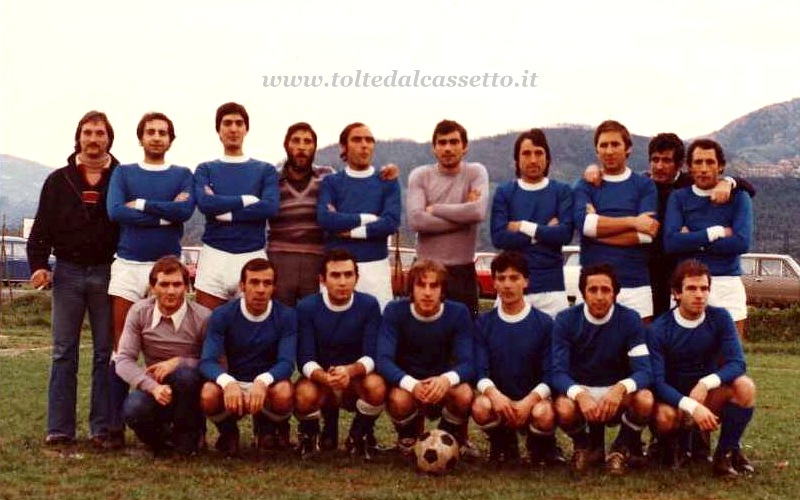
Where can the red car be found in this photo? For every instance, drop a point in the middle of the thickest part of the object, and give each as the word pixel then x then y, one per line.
pixel 483 274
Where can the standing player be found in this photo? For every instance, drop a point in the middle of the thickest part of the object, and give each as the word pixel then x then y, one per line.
pixel 601 371
pixel 168 330
pixel 446 203
pixel 533 214
pixel 295 241
pixel 699 372
pixel 72 222
pixel 716 235
pixel 425 354
pixel 617 218
pixel 360 210
pixel 257 336
pixel 237 194
pixel 150 200
pixel 337 332
pixel 512 360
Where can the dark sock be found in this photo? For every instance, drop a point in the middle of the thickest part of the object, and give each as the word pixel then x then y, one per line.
pixel 597 436
pixel 227 426
pixel 734 422
pixel 362 424
pixel 580 438
pixel 309 427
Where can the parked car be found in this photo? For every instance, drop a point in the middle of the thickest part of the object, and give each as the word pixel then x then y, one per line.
pixel 770 279
pixel 190 256
pixel 15 268
pixel 483 274
pixel 572 271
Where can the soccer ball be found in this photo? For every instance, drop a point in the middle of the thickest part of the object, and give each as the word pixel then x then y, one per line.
pixel 436 452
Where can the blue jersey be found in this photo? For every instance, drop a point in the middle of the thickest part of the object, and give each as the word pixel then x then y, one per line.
pixel 692 209
pixel 243 229
pixel 513 202
pixel 513 355
pixel 683 352
pixel 599 355
pixel 630 197
pixel 148 234
pixel 333 338
pixel 350 197
pixel 250 347
pixel 422 349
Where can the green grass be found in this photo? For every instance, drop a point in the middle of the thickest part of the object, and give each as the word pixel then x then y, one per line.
pixel 28 470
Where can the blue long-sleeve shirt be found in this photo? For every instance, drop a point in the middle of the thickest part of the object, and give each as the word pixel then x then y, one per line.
pixel 245 231
pixel 332 338
pixel 627 198
pixel 693 209
pixel 599 355
pixel 350 197
pixel 512 202
pixel 250 348
pixel 156 230
pixel 423 349
pixel 682 354
pixel 515 356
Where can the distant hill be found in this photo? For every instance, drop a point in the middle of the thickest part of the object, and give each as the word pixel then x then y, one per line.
pixel 20 184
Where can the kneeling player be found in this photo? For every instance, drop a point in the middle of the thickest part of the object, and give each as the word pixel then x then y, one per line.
pixel 512 360
pixel 258 338
pixel 699 372
pixel 337 331
pixel 425 354
pixel 601 368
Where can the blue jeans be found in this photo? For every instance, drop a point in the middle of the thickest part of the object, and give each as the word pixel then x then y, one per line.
pixel 76 289
pixel 181 420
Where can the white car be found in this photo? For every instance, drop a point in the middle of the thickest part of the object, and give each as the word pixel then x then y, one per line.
pixel 572 270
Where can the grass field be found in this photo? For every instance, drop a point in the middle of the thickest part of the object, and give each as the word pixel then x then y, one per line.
pixel 28 470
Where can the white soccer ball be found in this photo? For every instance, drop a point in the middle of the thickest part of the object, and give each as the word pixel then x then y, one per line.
pixel 436 452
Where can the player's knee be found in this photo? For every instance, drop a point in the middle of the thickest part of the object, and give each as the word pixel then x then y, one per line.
pixel 306 397
pixel 744 391
pixel 642 403
pixel 543 415
pixel 460 398
pixel 374 389
pixel 400 403
pixel 665 418
pixel 566 410
pixel 211 398
pixel 482 412
pixel 281 396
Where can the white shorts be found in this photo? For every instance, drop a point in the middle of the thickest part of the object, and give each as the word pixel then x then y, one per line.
pixel 728 293
pixel 640 299
pixel 129 279
pixel 218 271
pixel 597 393
pixel 375 279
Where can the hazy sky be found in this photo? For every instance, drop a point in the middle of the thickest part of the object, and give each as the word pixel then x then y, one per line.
pixel 687 67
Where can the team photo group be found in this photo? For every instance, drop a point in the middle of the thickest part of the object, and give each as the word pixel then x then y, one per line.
pixel 294 275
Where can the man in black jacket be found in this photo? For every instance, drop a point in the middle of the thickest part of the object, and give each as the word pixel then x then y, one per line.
pixel 72 223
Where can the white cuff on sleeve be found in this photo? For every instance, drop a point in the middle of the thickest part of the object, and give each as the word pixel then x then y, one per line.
pixel 529 228
pixel 224 379
pixel 408 383
pixel 267 378
pixel 226 217
pixel 543 390
pixel 484 384
pixel 715 232
pixel 453 377
pixel 368 362
pixel 138 204
pixel 590 225
pixel 309 368
pixel 359 233
pixel 688 405
pixel 630 385
pixel 731 180
pixel 644 238
pixel 574 390
pixel 711 381
pixel 164 222
pixel 249 199
pixel 367 218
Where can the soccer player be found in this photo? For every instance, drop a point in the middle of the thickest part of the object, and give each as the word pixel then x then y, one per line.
pixel 601 371
pixel 337 332
pixel 617 218
pixel 360 210
pixel 425 354
pixel 168 330
pixel 699 372
pixel 237 195
pixel 716 235
pixel 72 222
pixel 295 241
pixel 257 336
pixel 150 200
pixel 533 214
pixel 512 364
pixel 446 202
